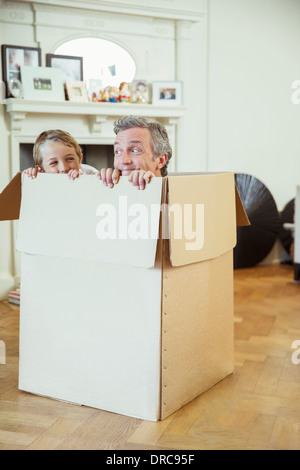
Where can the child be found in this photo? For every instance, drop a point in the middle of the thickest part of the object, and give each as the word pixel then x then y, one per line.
pixel 56 151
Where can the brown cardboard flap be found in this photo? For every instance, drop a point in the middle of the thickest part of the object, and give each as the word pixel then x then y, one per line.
pixel 203 219
pixel 241 215
pixel 10 199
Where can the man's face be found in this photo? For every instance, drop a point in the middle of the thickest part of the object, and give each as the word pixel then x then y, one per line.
pixel 133 151
pixel 59 158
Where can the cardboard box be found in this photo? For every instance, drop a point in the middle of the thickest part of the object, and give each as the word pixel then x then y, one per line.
pixel 125 307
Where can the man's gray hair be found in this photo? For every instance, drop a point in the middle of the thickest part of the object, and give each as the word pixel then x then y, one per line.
pixel 159 135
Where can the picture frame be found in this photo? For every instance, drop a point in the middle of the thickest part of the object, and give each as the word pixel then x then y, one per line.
pixel 15 88
pixel 71 66
pixel 77 91
pixel 94 88
pixel 139 91
pixel 42 83
pixel 167 93
pixel 13 58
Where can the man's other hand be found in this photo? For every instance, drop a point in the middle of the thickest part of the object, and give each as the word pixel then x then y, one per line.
pixel 139 178
pixel 108 176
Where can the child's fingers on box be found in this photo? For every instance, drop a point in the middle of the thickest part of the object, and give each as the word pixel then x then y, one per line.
pixel 73 174
pixel 103 175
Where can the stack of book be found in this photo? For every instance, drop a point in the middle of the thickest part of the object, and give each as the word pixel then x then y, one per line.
pixel 14 297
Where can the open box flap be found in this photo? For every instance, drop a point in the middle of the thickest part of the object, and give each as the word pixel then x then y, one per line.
pixel 203 216
pixel 241 215
pixel 83 219
pixel 10 199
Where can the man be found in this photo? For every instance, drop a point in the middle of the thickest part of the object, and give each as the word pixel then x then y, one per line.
pixel 142 151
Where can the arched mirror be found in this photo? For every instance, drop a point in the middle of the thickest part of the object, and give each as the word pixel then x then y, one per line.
pixel 102 60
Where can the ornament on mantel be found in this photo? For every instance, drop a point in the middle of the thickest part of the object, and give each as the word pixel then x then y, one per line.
pixel 124 93
pixel 114 94
pixel 105 94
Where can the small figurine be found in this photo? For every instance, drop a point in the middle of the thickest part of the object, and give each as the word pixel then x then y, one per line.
pixel 114 95
pixel 124 94
pixel 106 94
pixel 99 97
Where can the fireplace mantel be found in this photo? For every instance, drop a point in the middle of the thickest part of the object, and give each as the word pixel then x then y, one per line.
pixel 98 112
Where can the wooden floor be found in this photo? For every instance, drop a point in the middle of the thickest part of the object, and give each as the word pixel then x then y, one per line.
pixel 258 407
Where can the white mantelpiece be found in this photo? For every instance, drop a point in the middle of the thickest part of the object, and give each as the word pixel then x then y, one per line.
pixel 98 113
pixel 109 109
pixel 89 123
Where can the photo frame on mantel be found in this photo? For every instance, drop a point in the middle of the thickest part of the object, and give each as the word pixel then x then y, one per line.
pixel 167 93
pixel 42 84
pixel 76 91
pixel 71 66
pixel 13 58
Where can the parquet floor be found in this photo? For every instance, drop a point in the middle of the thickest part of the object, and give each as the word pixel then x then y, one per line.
pixel 258 407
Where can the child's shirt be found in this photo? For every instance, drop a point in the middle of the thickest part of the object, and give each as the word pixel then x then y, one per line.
pixel 87 170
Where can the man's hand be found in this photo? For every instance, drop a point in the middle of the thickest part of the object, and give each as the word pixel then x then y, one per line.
pixel 108 176
pixel 139 178
pixel 32 172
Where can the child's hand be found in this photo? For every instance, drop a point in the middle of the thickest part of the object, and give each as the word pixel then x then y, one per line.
pixel 139 178
pixel 32 172
pixel 73 174
pixel 108 176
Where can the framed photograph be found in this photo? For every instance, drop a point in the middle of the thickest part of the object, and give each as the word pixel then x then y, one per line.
pixel 13 58
pixel 42 83
pixel 71 66
pixel 76 91
pixel 167 93
pixel 139 91
pixel 15 88
pixel 94 87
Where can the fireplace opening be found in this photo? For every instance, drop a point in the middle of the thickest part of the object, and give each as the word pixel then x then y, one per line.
pixel 98 156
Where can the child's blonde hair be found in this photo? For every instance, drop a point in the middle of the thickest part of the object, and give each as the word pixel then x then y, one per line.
pixel 55 135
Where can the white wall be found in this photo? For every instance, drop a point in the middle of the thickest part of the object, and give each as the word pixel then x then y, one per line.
pixel 253 126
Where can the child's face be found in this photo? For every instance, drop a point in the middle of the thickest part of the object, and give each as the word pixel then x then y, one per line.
pixel 59 158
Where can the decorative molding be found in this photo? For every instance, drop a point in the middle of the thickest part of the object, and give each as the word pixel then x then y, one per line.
pixel 183 29
pixel 96 123
pixel 16 121
pixel 20 107
pixel 190 9
pixel 21 5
